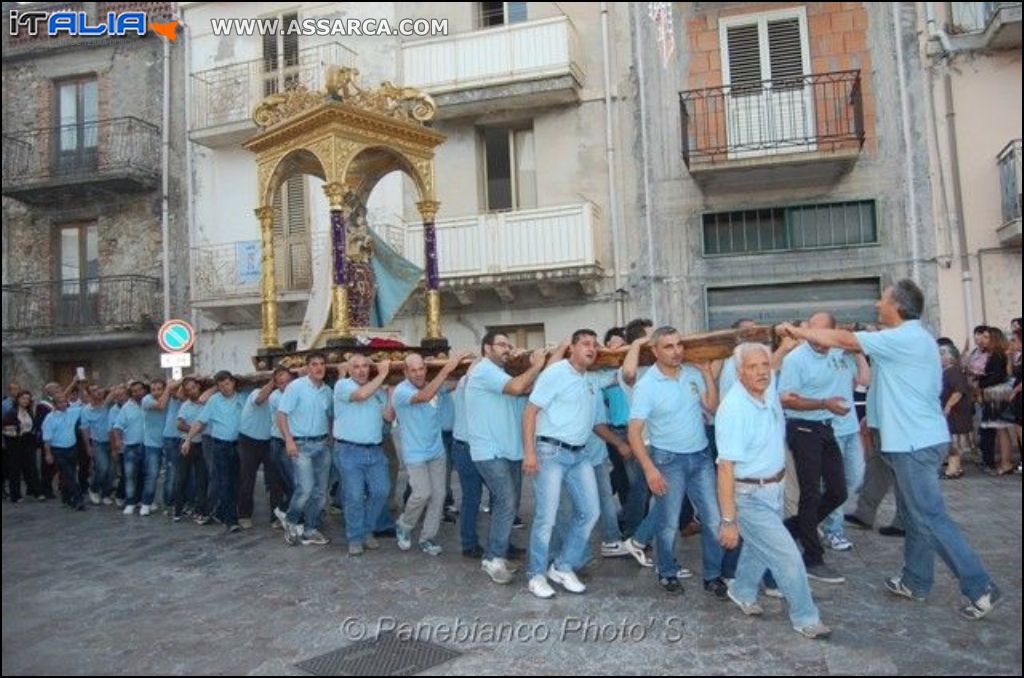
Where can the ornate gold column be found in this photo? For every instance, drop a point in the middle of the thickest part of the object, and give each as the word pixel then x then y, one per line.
pixel 268 280
pixel 428 210
pixel 336 195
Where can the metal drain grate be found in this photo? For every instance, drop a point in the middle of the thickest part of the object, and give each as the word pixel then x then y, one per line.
pixel 386 655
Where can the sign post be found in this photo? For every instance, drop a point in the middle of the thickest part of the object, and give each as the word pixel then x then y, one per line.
pixel 176 338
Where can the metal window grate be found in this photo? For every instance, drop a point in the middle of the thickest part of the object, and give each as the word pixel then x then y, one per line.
pixel 779 229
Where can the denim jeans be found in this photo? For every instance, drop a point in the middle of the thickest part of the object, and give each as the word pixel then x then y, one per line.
pixel 134 459
pixel 504 480
pixel 767 544
pixel 102 469
pixel 225 457
pixel 558 466
pixel 279 457
pixel 609 514
pixel 66 459
pixel 929 528
pixel 365 487
pixel 192 464
pixel 634 510
pixel 853 466
pixel 172 450
pixel 694 475
pixel 472 487
pixel 151 474
pixel 212 498
pixel 310 471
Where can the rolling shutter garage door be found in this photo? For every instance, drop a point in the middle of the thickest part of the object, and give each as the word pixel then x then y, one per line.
pixel 850 301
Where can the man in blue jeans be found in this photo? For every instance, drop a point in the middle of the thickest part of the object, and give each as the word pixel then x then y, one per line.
pixel 670 400
pixel 129 431
pixel 59 447
pixel 222 416
pixel 303 417
pixel 495 443
pixel 556 424
pixel 359 412
pixel 95 424
pixel 154 408
pixel 906 380
pixel 750 437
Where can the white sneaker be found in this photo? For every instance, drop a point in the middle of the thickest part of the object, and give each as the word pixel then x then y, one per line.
pixel 614 549
pixel 94 498
pixel 837 542
pixel 129 509
pixel 636 549
pixel 145 510
pixel 107 501
pixel 495 569
pixel 684 573
pixel 245 523
pixel 749 609
pixel 539 586
pixel 119 502
pixel 282 517
pixel 773 593
pixel 569 581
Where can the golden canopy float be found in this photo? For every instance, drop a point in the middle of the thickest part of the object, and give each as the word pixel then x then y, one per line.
pixel 350 138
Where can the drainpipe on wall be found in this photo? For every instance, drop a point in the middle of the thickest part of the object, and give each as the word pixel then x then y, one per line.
pixel 948 52
pixel 908 148
pixel 165 154
pixel 613 193
pixel 645 161
pixel 190 188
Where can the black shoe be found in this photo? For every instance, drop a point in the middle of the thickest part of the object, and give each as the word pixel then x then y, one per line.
pixel 718 587
pixel 856 522
pixel 473 553
pixel 518 523
pixel 385 534
pixel 670 584
pixel 450 515
pixel 892 531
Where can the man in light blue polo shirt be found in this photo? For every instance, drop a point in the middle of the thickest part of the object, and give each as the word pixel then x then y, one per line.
pixel 221 417
pixel 359 411
pixel 130 431
pixel 419 427
pixel 95 424
pixel 279 457
pixel 816 388
pixel 670 400
pixel 154 408
pixel 750 435
pixel 556 425
pixel 192 462
pixel 59 446
pixel 303 416
pixel 172 447
pixel 915 439
pixel 495 443
pixel 254 451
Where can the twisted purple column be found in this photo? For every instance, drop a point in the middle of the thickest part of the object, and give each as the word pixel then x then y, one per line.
pixel 338 245
pixel 430 254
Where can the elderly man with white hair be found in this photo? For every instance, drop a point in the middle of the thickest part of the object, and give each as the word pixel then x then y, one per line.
pixel 750 433
pixel 419 426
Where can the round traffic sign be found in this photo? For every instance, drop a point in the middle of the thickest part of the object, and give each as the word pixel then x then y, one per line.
pixel 176 336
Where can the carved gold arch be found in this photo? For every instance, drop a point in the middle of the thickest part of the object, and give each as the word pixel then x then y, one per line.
pixel 350 138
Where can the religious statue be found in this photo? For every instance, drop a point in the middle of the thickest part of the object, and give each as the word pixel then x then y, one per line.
pixel 362 282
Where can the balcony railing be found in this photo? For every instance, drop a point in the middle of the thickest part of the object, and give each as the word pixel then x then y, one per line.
pixel 547 239
pixel 973 17
pixel 499 55
pixel 822 112
pixel 226 95
pixel 61 307
pixel 551 240
pixel 1010 180
pixel 125 150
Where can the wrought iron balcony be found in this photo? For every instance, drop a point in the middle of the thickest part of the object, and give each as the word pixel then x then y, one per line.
pixel 223 97
pixel 83 161
pixel 83 306
pixel 774 122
